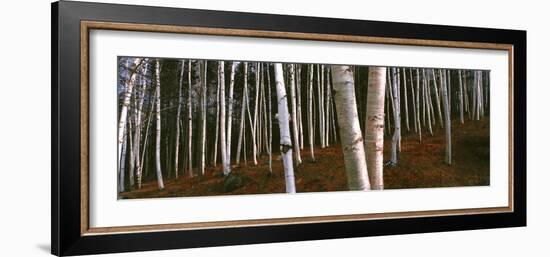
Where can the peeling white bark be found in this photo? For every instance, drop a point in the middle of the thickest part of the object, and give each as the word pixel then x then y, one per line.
pixel 350 130
pixel 284 128
pixel 374 130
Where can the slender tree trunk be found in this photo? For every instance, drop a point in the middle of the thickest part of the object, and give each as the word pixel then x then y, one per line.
pixel 299 107
pixel 322 108
pixel 264 109
pixel 310 112
pixel 327 109
pixel 465 92
pixel 270 121
pixel 137 137
pixel 284 128
pixel 243 109
pixel 215 159
pixel 132 156
pixel 350 130
pixel 437 99
pixel 406 98
pixel 374 128
pixel 230 114
pixel 413 98
pixel 294 119
pixel 157 151
pixel 255 121
pixel 447 111
pixel 388 100
pixel 460 97
pixel 203 119
pixel 429 106
pixel 418 105
pixel 122 165
pixel 223 146
pixel 126 105
pixel 190 122
pixel 176 165
pixel 149 118
pixel 396 116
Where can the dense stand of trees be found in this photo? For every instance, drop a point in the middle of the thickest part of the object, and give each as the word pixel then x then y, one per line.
pixel 176 117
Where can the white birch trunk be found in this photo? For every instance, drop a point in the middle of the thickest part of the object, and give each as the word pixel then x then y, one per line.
pixel 322 108
pixel 137 137
pixel 413 98
pixel 284 128
pixel 243 109
pixel 447 111
pixel 437 99
pixel 270 121
pixel 157 148
pixel 149 118
pixel 215 159
pixel 125 106
pixel 460 97
pixel 327 108
pixel 374 129
pixel 418 105
pixel 310 112
pixel 122 165
pixel 396 116
pixel 294 116
pixel 428 104
pixel 203 119
pixel 406 98
pixel 132 156
pixel 350 130
pixel 230 112
pixel 299 107
pixel 225 160
pixel 180 100
pixel 190 122
pixel 255 121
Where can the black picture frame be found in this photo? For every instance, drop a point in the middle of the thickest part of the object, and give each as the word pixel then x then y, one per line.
pixel 66 235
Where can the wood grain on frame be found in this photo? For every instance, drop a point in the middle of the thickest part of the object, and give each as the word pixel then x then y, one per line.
pixel 86 26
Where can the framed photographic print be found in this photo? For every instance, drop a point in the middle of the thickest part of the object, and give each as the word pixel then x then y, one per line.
pixel 178 128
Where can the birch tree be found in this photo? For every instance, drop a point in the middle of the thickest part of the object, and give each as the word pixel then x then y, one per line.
pixel 397 118
pixel 122 166
pixel 270 121
pixel 299 103
pixel 350 130
pixel 217 119
pixel 180 100
pixel 157 148
pixel 406 104
pixel 223 146
pixel 294 119
pixel 437 98
pixel 321 106
pixel 137 137
pixel 203 118
pixel 243 109
pixel 255 121
pixel 190 122
pixel 418 105
pixel 230 113
pixel 284 128
pixel 374 129
pixel 310 112
pixel 447 110
pixel 125 105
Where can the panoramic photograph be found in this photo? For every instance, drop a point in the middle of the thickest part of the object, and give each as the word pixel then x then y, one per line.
pixel 193 127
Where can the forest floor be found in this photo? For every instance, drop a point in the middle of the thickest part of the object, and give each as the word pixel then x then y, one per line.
pixel 421 165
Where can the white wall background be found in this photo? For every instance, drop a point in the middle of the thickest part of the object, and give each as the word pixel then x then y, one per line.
pixel 25 127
